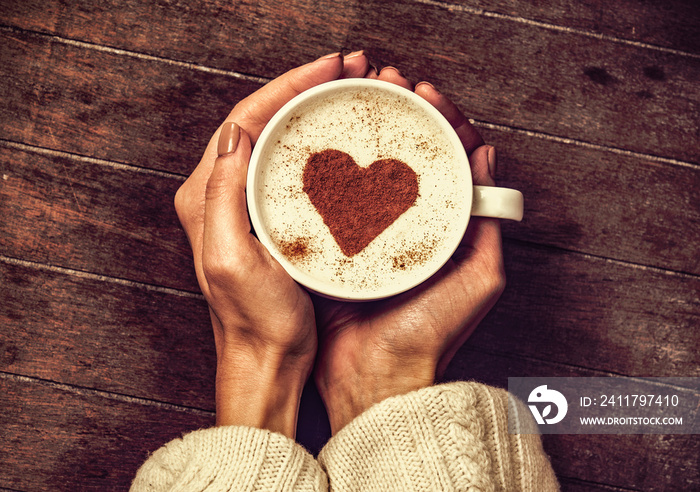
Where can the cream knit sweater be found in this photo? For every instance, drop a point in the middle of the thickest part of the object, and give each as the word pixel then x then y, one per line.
pixel 446 437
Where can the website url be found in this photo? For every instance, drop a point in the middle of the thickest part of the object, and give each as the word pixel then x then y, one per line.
pixel 631 420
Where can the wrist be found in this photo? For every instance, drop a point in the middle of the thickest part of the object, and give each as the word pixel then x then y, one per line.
pixel 260 390
pixel 355 391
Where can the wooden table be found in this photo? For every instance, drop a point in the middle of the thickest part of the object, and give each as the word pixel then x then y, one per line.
pixel 105 347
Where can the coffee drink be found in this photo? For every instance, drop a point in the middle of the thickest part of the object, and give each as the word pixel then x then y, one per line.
pixel 362 190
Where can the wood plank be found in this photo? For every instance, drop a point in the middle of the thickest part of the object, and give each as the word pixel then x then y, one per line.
pixel 149 28
pixel 61 439
pixel 672 24
pixel 637 462
pixel 601 202
pixel 78 436
pixel 215 33
pixel 93 217
pixel 112 107
pixel 553 82
pixel 128 339
pixel 595 313
pixel 557 83
pixel 573 485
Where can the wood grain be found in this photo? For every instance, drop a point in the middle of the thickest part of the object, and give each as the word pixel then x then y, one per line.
pixel 257 35
pixel 557 83
pixel 595 313
pixel 64 439
pixel 129 339
pixel 552 82
pixel 667 462
pixel 106 351
pixel 602 202
pixel 671 24
pixel 151 27
pixel 126 339
pixel 118 108
pixel 93 217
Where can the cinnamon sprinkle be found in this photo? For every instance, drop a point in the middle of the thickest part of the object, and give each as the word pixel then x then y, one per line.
pixel 296 250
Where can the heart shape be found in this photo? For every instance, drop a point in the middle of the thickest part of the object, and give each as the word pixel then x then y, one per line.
pixel 357 203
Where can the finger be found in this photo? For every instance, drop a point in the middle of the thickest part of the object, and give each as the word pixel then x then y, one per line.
pixel 189 205
pixel 483 235
pixel 372 72
pixel 253 112
pixel 483 165
pixel 355 64
pixel 469 136
pixel 479 257
pixel 226 225
pixel 391 74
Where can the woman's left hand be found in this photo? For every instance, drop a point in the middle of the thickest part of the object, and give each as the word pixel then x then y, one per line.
pixel 371 351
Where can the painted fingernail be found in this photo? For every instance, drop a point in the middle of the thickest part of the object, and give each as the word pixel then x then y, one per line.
pixel 492 160
pixel 228 139
pixel 392 68
pixel 328 57
pixel 354 54
pixel 423 82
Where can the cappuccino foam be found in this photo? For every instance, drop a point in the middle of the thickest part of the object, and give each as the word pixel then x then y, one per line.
pixel 369 125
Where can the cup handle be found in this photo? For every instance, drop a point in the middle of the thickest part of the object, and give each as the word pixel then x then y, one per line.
pixel 501 203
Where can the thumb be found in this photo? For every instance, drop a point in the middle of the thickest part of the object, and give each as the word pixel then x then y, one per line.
pixel 483 236
pixel 226 222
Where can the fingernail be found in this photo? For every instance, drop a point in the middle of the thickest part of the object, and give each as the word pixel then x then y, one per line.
pixel 354 54
pixel 328 57
pixel 492 160
pixel 228 139
pixel 392 68
pixel 423 82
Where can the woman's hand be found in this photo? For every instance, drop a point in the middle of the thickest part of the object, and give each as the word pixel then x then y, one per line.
pixel 263 322
pixel 371 351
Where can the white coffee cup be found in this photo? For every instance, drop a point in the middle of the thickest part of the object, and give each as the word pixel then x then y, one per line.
pixel 278 206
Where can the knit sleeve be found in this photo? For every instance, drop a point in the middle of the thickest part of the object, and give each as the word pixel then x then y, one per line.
pixel 231 458
pixel 446 437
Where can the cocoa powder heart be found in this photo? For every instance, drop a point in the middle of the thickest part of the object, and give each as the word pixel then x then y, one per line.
pixel 357 203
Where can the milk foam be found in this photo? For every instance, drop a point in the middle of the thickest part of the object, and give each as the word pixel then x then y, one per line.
pixel 368 125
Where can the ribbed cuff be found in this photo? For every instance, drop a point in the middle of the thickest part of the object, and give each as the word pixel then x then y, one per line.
pixel 231 458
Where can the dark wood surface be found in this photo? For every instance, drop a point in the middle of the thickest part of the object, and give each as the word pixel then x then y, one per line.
pixel 105 347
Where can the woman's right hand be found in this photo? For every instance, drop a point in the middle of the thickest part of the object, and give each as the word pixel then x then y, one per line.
pixel 263 322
